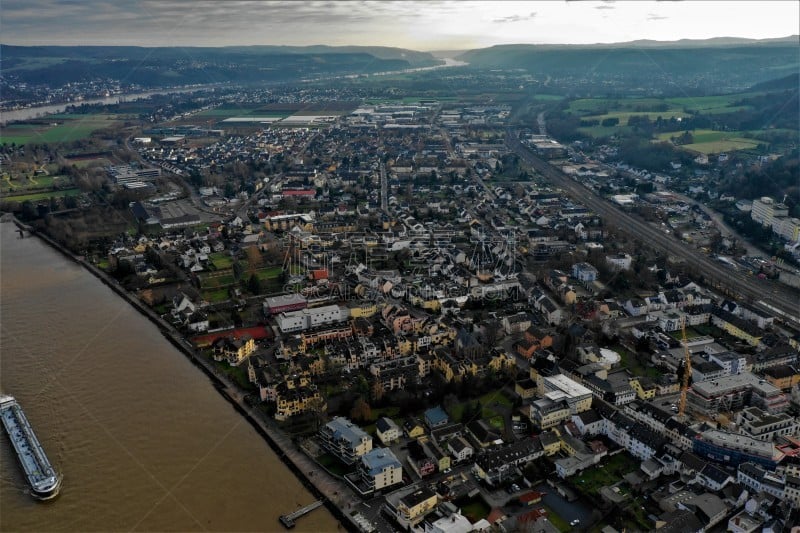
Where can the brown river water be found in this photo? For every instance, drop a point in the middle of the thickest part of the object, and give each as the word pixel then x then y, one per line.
pixel 142 438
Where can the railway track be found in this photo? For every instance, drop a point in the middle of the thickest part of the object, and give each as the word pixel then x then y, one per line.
pixel 767 295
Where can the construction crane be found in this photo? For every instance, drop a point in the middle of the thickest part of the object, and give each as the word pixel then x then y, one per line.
pixel 687 370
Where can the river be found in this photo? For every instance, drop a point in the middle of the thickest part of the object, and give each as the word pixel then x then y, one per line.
pixel 15 115
pixel 142 438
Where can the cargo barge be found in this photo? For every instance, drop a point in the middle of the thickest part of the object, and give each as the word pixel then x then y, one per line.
pixel 43 479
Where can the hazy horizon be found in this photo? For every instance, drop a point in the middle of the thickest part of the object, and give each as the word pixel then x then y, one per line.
pixel 414 25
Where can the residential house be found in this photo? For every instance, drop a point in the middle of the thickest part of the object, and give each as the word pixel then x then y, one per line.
pixel 460 449
pixel 293 400
pixel 232 349
pixel 584 272
pixel 345 440
pixel 387 431
pixel 495 466
pixel 436 417
pixel 380 469
pixel 412 508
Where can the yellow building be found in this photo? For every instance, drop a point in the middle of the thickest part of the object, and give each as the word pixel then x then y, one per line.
pixel 783 377
pixel 413 428
pixel 412 508
pixel 432 305
pixel 550 441
pixel 233 350
pixel 645 389
pixel 501 361
pixel 546 413
pixel 526 388
pixel 737 327
pixel 362 308
pixel 297 400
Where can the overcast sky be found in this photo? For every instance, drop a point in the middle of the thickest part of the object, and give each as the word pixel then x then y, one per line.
pixel 418 25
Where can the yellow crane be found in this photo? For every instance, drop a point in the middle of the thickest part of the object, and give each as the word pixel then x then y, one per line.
pixel 687 369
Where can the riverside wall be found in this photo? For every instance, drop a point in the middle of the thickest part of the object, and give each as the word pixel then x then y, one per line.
pixel 335 494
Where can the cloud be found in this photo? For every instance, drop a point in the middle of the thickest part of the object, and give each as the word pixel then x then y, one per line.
pixel 653 16
pixel 515 18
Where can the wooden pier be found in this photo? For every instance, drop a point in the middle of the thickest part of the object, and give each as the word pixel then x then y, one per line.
pixel 288 519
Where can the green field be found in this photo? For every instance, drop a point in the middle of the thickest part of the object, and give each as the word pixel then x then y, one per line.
pixel 603 131
pixel 269 273
pixel 658 106
pixel 220 260
pixel 215 296
pixel 55 130
pixel 226 112
pixel 711 104
pixel 714 142
pixel 717 147
pixel 42 195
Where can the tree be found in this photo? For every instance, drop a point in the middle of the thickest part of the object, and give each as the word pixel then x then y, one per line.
pixel 361 411
pixel 238 270
pixel 254 284
pixel 254 258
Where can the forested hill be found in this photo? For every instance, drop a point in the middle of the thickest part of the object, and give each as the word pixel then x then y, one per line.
pixel 714 68
pixel 153 67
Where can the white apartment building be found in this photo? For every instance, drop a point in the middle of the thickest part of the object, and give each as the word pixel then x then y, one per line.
pixel 311 318
pixel 765 209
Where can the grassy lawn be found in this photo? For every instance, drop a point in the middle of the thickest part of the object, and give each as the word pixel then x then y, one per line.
pixel 711 142
pixel 216 282
pixel 728 145
pixel 269 273
pixel 237 374
pixel 710 104
pixel 691 333
pixel 623 116
pixel 474 509
pixel 603 131
pixel 629 361
pixel 605 474
pixel 221 260
pixel 548 97
pixel 497 422
pixel 43 195
pixel 216 296
pixel 333 465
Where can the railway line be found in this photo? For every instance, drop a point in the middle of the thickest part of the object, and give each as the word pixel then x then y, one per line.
pixel 760 293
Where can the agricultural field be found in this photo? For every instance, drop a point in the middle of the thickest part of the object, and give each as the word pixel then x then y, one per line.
pixel 714 142
pixel 56 129
pixel 665 107
pixel 623 109
pixel 710 105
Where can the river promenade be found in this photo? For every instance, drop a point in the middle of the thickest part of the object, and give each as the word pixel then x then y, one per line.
pixel 337 495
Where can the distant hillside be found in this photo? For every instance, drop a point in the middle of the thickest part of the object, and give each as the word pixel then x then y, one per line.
pixel 152 67
pixel 792 81
pixel 722 63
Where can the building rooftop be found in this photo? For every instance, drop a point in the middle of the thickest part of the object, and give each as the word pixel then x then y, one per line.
pixel 379 459
pixel 724 385
pixel 569 386
pixel 342 429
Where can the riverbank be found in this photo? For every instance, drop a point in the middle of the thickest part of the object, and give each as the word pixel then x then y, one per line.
pixel 335 495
